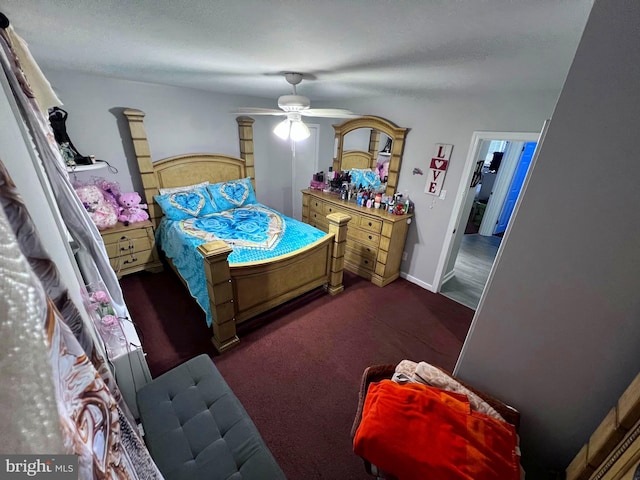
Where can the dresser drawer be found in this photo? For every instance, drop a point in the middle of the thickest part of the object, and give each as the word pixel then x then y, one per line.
pixel 370 224
pixel 330 208
pixel 316 205
pixel 127 246
pixel 362 262
pixel 318 218
pixel 365 251
pixel 320 226
pixel 363 236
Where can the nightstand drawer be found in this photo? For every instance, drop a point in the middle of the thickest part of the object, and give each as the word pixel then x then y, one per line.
pixel 127 246
pixel 131 248
pixel 133 261
pixel 133 233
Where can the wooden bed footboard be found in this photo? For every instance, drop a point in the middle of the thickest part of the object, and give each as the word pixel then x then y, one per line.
pixel 241 291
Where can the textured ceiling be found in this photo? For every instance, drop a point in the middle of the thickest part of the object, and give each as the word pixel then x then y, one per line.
pixel 348 48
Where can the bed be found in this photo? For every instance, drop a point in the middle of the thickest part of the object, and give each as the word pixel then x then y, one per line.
pixel 238 287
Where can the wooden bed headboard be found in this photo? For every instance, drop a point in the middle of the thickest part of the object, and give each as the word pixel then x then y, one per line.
pixel 357 159
pixel 191 168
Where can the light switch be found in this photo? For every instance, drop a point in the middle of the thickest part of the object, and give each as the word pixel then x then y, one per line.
pixel 443 194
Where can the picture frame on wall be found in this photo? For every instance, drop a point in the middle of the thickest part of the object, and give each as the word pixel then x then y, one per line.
pixel 477 174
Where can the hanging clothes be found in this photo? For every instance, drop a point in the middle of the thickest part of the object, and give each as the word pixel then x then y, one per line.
pixel 56 375
pixel 91 256
pixel 96 423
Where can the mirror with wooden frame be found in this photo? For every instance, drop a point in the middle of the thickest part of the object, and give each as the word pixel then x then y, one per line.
pixel 360 143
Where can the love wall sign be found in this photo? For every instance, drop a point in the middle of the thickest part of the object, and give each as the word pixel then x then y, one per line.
pixel 438 169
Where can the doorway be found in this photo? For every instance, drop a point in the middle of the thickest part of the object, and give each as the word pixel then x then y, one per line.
pixel 475 236
pixel 304 163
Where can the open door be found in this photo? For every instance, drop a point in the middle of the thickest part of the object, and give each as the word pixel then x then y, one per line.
pixel 304 163
pixel 464 200
pixel 515 186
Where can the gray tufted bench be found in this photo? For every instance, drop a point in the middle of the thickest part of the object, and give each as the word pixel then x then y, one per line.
pixel 196 428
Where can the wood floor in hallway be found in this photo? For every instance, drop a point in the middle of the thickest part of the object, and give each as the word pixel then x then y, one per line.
pixel 471 270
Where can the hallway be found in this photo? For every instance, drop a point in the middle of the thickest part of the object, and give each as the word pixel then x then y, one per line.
pixel 471 270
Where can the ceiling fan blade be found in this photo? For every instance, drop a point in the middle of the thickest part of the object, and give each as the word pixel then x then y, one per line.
pixel 328 113
pixel 258 111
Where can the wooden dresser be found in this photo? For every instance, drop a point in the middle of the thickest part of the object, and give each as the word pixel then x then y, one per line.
pixel 132 248
pixel 375 239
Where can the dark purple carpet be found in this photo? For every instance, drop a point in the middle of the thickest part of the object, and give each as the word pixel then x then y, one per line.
pixel 298 368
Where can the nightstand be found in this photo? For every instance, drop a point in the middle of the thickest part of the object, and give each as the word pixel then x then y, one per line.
pixel 132 248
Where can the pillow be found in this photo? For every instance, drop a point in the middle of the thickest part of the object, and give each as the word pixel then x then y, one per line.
pixel 232 194
pixel 364 177
pixel 166 191
pixel 186 204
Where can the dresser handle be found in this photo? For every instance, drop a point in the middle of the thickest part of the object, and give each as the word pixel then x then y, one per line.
pixel 331 209
pixel 370 237
pixel 366 262
pixel 133 259
pixel 123 238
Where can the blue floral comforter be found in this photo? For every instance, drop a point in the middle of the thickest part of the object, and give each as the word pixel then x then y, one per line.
pixel 254 232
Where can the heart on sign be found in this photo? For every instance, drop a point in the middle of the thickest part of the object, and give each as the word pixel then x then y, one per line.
pixel 235 192
pixel 439 164
pixel 188 202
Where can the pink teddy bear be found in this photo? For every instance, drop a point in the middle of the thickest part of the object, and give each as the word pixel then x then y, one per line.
pixel 103 213
pixel 131 210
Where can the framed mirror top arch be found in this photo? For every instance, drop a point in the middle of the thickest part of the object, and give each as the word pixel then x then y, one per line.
pixel 382 142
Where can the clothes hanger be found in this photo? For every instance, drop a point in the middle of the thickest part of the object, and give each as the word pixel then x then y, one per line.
pixel 4 21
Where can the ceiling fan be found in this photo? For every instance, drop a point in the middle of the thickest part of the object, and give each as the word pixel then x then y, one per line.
pixel 294 107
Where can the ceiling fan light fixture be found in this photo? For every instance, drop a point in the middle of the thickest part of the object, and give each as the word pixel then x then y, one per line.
pixel 283 128
pixel 299 131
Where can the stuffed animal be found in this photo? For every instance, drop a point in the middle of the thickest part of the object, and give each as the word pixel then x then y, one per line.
pixel 131 210
pixel 382 169
pixel 103 213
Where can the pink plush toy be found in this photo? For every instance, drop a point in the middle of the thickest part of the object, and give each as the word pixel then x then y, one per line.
pixel 131 210
pixel 103 213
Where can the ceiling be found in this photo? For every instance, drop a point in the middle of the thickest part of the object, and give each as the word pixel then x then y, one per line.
pixel 347 48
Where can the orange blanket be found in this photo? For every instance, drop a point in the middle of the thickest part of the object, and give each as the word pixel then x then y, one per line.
pixel 414 431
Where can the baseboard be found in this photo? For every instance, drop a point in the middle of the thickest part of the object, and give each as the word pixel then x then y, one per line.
pixel 448 276
pixel 417 281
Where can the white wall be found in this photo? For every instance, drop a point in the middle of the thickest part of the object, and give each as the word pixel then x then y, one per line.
pixel 447 119
pixel 178 120
pixel 183 120
pixel 557 331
